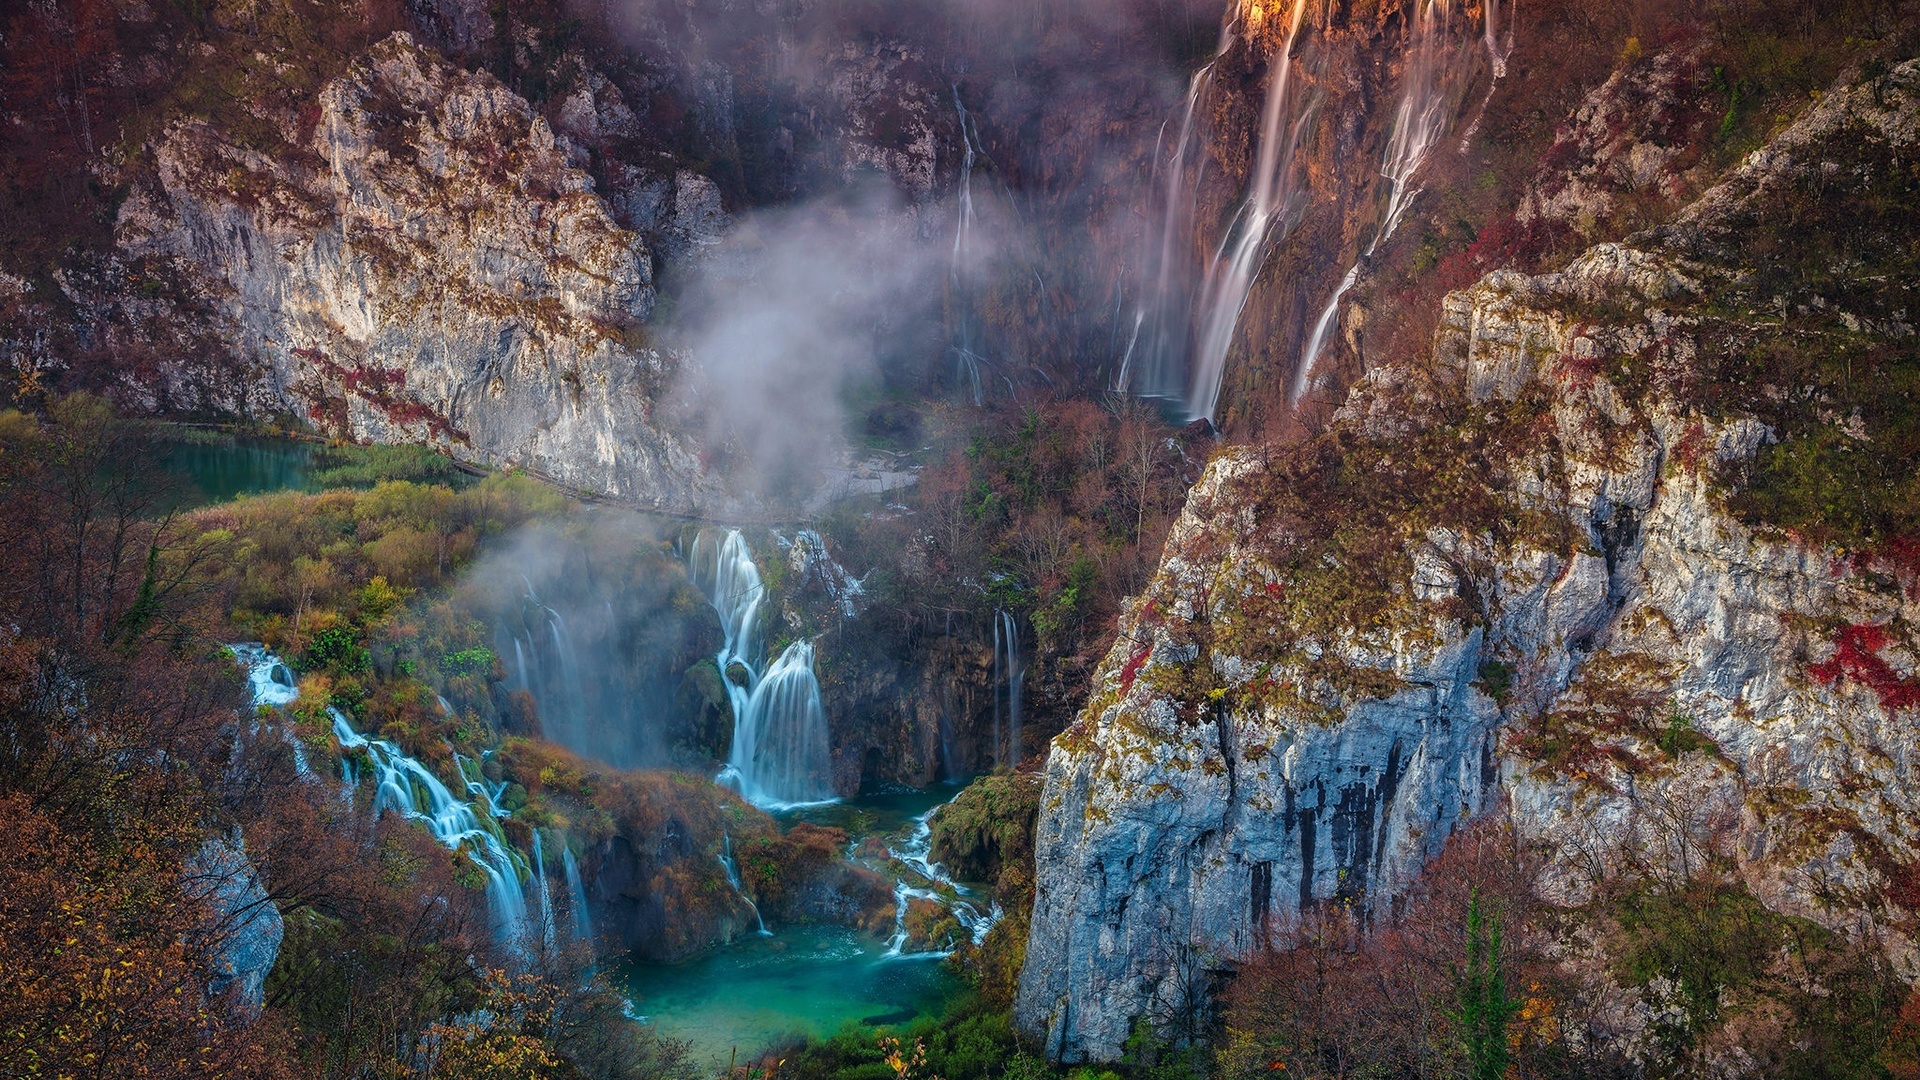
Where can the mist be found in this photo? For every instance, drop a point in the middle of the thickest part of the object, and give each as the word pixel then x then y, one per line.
pixel 795 310
pixel 834 131
pixel 596 623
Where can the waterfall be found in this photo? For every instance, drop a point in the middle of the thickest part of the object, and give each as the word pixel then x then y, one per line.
pixel 780 755
pixel 998 679
pixel 732 868
pixel 1419 121
pixel 1153 367
pixel 808 554
pixel 725 571
pixel 1497 50
pixel 546 894
pixel 915 852
pixel 966 359
pixel 1016 684
pixel 1260 222
pixel 270 683
pixel 545 666
pixel 577 896
pixel 405 785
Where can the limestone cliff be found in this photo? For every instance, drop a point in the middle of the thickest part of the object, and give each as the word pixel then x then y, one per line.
pixel 1560 567
pixel 436 269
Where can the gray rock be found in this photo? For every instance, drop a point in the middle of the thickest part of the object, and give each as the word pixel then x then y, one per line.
pixel 244 928
pixel 438 271
pixel 1203 792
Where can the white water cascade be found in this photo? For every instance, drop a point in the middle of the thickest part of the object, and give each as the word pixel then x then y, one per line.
pixel 1010 674
pixel 780 756
pixel 1153 364
pixel 1419 121
pixel 732 867
pixel 270 682
pixel 915 852
pixel 405 785
pixel 577 896
pixel 1261 222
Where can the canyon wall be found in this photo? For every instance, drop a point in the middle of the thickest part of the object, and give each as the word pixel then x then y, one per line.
pixel 1551 569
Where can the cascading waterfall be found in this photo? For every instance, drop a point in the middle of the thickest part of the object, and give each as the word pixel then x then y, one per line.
pixel 269 682
pixel 966 359
pixel 807 551
pixel 577 896
pixel 915 852
pixel 1261 222
pixel 1009 673
pixel 732 867
pixel 780 755
pixel 1419 122
pixel 405 785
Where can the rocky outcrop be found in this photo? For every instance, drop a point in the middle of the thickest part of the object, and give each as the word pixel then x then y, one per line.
pixel 244 929
pixel 438 270
pixel 1517 575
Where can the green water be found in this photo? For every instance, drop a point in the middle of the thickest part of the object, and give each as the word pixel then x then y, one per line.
pixel 226 469
pixel 805 980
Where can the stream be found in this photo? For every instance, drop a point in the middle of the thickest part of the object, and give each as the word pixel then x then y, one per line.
pixel 802 980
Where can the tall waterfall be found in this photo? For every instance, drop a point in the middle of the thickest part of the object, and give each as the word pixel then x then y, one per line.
pixel 780 754
pixel 1178 328
pixel 967 359
pixel 1419 121
pixel 1154 362
pixel 1009 675
pixel 1261 222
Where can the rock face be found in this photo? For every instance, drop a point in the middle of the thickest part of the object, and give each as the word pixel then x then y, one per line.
pixel 438 270
pixel 245 927
pixel 1515 576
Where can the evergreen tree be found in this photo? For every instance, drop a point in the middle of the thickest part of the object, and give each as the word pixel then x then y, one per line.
pixel 1485 1008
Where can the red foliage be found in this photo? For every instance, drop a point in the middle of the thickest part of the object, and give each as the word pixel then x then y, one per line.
pixel 1898 555
pixel 1856 655
pixel 1135 661
pixel 1581 370
pixel 1693 443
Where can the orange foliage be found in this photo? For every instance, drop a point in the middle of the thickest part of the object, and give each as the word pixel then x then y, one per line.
pixel 99 976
